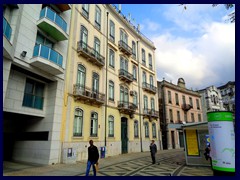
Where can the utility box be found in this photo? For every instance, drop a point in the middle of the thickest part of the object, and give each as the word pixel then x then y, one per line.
pixel 69 155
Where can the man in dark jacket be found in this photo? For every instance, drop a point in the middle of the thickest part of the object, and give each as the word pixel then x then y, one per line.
pixel 153 150
pixel 93 157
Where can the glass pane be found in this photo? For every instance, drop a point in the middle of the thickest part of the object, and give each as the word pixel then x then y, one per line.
pixel 28 100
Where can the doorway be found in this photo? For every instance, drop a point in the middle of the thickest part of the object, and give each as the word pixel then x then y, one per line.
pixel 124 135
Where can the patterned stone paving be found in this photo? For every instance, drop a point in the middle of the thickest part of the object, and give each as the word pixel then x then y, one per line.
pixel 165 166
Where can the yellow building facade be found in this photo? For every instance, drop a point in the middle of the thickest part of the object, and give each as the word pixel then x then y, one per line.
pixel 110 93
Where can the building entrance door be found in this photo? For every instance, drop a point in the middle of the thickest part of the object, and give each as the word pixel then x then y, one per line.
pixel 124 136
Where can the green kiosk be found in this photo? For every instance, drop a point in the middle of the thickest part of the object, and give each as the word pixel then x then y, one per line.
pixel 222 142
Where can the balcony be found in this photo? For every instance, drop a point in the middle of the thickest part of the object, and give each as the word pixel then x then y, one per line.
pixel 90 54
pixel 87 95
pixel 63 7
pixel 150 113
pixel 47 59
pixel 126 107
pixel 186 107
pixel 7 46
pixel 53 24
pixel 149 88
pixel 124 48
pixel 125 76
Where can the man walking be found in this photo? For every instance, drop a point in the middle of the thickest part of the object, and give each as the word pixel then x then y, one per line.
pixel 153 150
pixel 93 157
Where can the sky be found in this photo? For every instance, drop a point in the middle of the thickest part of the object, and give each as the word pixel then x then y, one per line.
pixel 196 43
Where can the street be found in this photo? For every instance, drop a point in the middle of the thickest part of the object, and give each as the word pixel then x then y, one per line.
pixel 168 163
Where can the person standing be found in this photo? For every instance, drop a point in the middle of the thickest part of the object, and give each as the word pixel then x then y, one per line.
pixel 153 150
pixel 93 156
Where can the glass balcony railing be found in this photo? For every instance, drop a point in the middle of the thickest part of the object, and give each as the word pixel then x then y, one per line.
pixel 53 16
pixel 48 53
pixel 7 30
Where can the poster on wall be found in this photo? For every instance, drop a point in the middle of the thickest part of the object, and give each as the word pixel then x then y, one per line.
pixel 192 143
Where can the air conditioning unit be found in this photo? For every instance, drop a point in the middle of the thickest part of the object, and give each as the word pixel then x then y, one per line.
pixel 131 93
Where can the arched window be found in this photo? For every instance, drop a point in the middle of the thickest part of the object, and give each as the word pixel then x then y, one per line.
pixel 84 37
pixel 145 102
pixel 95 81
pixel 78 122
pixel 111 90
pixel 111 58
pixel 94 124
pixel 81 78
pixel 110 126
pixel 135 99
pixel 146 126
pixel 152 104
pixel 154 134
pixel 135 128
pixel 96 47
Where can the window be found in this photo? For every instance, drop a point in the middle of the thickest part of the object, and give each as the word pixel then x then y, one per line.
pixel 190 101
pixel 111 58
pixel 85 10
pixel 123 63
pixel 78 122
pixel 95 85
pixel 199 118
pixel 169 97
pixel 150 61
pixel 96 47
pixel 135 99
pixel 170 115
pixel 184 99
pixel 110 126
pixel 177 100
pixel 135 128
pixel 94 124
pixel 144 76
pixel 84 37
pixel 134 72
pixel 185 116
pixel 154 134
pixel 98 18
pixel 33 94
pixel 152 104
pixel 151 81
pixel 146 129
pixel 112 31
pixel 145 100
pixel 123 37
pixel 178 116
pixel 44 41
pixel 81 77
pixel 198 105
pixel 124 94
pixel 192 117
pixel 133 50
pixel 143 57
pixel 111 90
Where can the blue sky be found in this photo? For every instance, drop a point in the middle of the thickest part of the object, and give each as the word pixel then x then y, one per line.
pixel 197 44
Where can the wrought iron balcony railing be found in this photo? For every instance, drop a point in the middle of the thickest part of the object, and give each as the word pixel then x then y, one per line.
pixel 149 87
pixel 125 76
pixel 124 47
pixel 91 54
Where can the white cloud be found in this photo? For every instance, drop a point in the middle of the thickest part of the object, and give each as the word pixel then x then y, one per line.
pixel 204 61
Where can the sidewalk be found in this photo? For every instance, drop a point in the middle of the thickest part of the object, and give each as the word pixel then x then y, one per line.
pixel 78 169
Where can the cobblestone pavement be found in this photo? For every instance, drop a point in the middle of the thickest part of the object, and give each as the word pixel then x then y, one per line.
pixel 169 163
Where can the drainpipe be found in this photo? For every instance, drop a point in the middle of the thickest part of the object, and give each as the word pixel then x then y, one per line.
pixel 105 138
pixel 139 97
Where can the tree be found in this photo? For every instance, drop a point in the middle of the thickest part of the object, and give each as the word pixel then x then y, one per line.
pixel 227 6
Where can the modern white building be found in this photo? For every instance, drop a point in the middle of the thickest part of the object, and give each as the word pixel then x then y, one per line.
pixel 35 41
pixel 211 100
